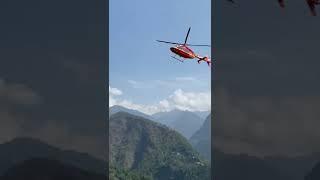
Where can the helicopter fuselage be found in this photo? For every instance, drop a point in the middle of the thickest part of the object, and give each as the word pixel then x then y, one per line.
pixel 183 51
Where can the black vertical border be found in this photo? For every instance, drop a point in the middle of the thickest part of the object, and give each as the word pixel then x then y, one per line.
pixel 106 75
pixel 213 67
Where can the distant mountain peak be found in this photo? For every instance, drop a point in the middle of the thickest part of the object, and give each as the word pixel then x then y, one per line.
pixel 116 108
pixel 185 122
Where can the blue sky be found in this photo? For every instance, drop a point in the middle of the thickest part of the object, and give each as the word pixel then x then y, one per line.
pixel 142 68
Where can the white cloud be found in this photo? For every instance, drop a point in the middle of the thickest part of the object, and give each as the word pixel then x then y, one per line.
pixel 165 104
pixel 114 91
pixel 191 101
pixel 112 101
pixel 179 99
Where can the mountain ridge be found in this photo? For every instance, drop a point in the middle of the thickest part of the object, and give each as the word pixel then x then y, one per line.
pixel 185 122
pixel 43 168
pixel 117 108
pixel 24 148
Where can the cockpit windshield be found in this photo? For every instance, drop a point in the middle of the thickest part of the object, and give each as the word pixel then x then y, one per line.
pixel 184 48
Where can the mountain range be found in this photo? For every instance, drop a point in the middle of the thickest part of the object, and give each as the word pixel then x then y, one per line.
pixel 226 166
pixel 185 122
pixel 140 145
pixel 202 114
pixel 143 149
pixel 21 149
pixel 42 168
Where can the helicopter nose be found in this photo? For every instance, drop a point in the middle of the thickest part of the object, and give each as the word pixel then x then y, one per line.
pixel 173 49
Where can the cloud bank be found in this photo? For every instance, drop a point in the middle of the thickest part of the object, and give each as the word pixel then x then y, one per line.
pixel 179 99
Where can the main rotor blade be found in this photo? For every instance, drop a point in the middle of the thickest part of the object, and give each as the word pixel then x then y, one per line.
pixel 177 59
pixel 169 42
pixel 183 44
pixel 198 45
pixel 185 41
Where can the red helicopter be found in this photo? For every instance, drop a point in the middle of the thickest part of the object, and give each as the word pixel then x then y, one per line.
pixel 185 52
pixel 311 3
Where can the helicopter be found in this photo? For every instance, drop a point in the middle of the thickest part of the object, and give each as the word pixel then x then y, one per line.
pixel 184 52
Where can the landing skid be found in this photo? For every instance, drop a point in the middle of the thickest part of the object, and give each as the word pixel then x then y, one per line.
pixel 177 59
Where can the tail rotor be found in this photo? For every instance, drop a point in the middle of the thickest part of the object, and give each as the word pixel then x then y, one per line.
pixel 209 63
pixel 206 59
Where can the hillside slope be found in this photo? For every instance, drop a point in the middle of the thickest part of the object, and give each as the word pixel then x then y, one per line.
pixel 141 145
pixel 201 140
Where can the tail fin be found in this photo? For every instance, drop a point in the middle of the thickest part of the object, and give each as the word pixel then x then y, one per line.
pixel 206 59
pixel 209 63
